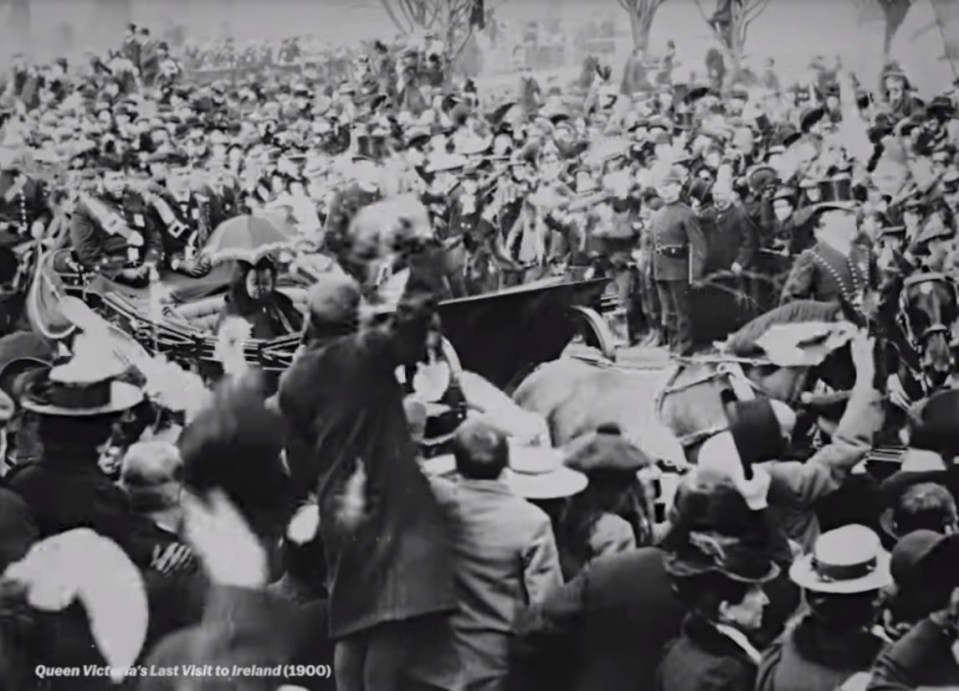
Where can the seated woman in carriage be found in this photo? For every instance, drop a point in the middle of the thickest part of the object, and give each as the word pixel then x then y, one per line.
pixel 254 298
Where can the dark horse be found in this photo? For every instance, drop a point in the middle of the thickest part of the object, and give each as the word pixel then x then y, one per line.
pixel 921 336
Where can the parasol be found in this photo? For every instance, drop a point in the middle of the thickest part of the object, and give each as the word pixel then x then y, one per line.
pixel 249 238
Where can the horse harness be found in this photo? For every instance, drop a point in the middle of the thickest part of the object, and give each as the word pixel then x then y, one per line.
pixel 915 342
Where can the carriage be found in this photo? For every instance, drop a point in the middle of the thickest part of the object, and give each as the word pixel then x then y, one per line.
pixel 501 336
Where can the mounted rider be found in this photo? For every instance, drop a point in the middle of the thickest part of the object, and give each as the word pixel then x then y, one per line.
pixel 112 232
pixel 840 267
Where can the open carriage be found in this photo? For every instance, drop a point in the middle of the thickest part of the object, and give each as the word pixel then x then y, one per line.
pixel 500 336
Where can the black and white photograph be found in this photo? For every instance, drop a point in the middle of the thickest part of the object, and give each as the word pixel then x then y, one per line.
pixel 479 345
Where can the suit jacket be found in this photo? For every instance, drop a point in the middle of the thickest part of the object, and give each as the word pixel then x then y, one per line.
pixel 732 237
pixel 497 573
pixel 678 244
pixel 97 250
pixel 920 658
pixel 67 492
pixel 612 621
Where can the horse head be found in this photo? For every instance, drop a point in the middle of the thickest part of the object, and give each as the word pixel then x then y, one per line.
pixel 928 312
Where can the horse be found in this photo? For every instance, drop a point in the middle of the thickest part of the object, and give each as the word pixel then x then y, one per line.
pixel 923 331
pixel 669 411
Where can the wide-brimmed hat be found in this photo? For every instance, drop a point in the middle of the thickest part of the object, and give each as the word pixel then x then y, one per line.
pixel 539 473
pixel 810 116
pixel 712 552
pixel 88 384
pixel 844 561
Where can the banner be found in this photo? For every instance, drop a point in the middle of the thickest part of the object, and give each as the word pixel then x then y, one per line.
pixel 947 17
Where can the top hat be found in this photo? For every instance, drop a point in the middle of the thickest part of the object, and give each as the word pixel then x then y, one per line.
pixel 837 194
pixel 844 561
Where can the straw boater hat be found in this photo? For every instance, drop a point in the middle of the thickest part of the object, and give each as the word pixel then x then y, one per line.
pixel 844 561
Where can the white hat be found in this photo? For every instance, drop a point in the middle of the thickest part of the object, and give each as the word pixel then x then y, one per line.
pixel 844 561
pixel 539 473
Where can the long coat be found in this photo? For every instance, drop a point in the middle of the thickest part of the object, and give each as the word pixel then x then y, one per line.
pixel 344 404
pixel 614 619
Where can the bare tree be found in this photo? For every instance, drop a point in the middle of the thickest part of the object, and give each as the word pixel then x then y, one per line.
pixel 450 20
pixel 894 14
pixel 20 22
pixel 730 24
pixel 641 14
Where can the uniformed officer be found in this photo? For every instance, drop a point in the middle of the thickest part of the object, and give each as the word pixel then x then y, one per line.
pixel 678 258
pixel 24 202
pixel 184 214
pixel 112 231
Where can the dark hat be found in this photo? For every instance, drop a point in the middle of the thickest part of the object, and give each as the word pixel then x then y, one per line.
pixel 697 93
pixel 712 552
pixel 837 194
pixel 760 177
pixel 941 106
pixel 170 157
pixel 604 451
pixel 889 229
pixel 935 428
pixel 810 116
pixel 923 556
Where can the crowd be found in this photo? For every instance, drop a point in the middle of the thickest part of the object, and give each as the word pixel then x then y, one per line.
pixel 293 528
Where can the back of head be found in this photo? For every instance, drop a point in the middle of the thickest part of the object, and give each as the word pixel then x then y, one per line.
pixel 235 445
pixel 481 450
pixel 926 506
pixel 149 474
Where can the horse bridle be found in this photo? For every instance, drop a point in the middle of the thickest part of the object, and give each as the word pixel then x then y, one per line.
pixel 916 342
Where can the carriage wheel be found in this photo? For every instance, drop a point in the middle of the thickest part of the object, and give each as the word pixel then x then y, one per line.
pixel 595 330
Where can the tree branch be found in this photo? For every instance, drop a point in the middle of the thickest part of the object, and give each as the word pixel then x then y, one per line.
pixel 392 15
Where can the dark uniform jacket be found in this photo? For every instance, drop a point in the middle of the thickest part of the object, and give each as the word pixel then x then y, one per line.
pixel 822 273
pixel 197 216
pixel 23 201
pixel 97 250
pixel 677 244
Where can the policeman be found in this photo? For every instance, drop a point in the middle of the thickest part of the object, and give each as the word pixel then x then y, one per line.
pixel 24 202
pixel 678 259
pixel 112 231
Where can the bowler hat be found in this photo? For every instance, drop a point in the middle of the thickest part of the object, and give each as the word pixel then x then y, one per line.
pixel 712 552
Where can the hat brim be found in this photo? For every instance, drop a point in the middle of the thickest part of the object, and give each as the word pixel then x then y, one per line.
pixel 803 574
pixel 123 396
pixel 847 206
pixel 559 483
